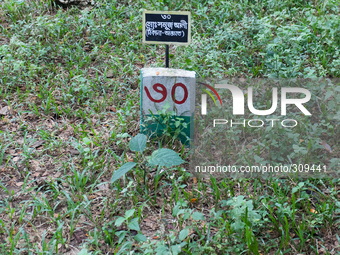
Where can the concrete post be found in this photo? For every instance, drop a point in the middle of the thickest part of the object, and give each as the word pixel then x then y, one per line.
pixel 175 87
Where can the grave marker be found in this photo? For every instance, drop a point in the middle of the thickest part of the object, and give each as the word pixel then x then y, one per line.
pixel 173 86
pixel 163 85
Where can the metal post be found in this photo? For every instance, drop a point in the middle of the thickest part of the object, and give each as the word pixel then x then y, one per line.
pixel 167 56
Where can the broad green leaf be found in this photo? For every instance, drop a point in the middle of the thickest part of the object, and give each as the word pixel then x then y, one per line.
pixel 180 211
pixel 86 140
pixel 258 159
pixel 122 170
pixel 197 216
pixel 186 215
pixel 176 249
pixel 329 93
pixel 175 211
pixel 297 188
pixel 238 225
pixel 84 252
pixel 121 235
pixel 165 157
pixel 138 143
pixel 129 213
pixel 295 147
pixel 140 238
pixel 133 224
pixel 161 249
pixel 183 234
pixel 119 221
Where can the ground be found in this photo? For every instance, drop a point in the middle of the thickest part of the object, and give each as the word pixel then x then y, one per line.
pixel 70 107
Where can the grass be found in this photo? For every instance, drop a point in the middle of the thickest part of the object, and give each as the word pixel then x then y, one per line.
pixel 70 79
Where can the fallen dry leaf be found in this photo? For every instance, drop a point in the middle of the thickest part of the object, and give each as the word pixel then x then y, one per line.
pixel 19 184
pixel 109 74
pixel 74 152
pixel 193 200
pixel 313 211
pixel 35 174
pixel 195 180
pixel 327 147
pixel 80 235
pixel 57 175
pixel 37 143
pixel 104 186
pixel 20 141
pixel 4 110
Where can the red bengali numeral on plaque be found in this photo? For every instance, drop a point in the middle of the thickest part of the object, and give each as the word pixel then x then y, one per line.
pixel 160 88
pixel 162 91
pixel 185 93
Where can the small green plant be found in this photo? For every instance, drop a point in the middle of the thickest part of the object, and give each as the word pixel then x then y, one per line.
pixel 176 242
pixel 168 127
pixel 243 213
pixel 162 158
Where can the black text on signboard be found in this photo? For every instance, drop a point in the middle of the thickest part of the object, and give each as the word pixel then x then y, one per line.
pixel 166 27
